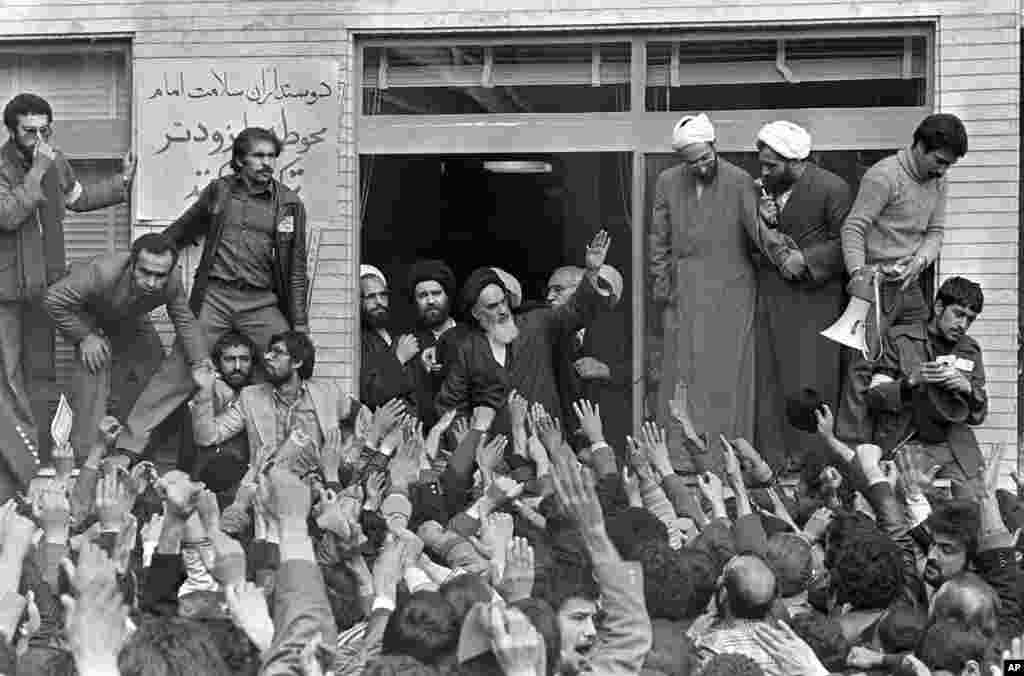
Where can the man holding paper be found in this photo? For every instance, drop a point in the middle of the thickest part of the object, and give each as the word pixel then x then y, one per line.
pixel 37 185
pixel 929 386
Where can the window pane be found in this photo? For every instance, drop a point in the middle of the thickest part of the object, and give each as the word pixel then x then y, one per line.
pixel 810 73
pixel 440 80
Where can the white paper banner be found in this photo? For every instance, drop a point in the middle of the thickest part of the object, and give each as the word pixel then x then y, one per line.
pixel 60 426
pixel 190 111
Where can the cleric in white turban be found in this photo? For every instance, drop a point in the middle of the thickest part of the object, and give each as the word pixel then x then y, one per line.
pixel 789 140
pixel 371 271
pixel 692 129
pixel 693 139
pixel 703 285
pixel 800 285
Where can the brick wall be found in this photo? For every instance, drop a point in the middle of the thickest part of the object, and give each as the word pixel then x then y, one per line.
pixel 977 78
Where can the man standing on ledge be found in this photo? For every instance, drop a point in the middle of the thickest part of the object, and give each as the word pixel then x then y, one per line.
pixel 799 263
pixel 897 223
pixel 251 277
pixel 103 308
pixel 37 184
pixel 701 275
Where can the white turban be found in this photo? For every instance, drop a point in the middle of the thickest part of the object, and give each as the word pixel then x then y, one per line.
pixel 787 139
pixel 692 129
pixel 370 271
pixel 614 279
pixel 512 285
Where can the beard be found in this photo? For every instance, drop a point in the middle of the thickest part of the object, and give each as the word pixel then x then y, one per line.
pixel 781 184
pixel 706 175
pixel 236 379
pixel 275 377
pixel 377 319
pixel 503 332
pixel 433 316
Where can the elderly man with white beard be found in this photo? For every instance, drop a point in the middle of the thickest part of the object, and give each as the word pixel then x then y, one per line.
pixel 503 352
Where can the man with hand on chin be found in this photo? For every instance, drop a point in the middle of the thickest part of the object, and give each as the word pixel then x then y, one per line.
pixel 37 186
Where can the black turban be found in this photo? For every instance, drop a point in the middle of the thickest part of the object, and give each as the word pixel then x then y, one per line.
pixel 432 271
pixel 477 281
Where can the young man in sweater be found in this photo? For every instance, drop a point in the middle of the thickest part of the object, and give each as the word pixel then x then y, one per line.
pixel 895 228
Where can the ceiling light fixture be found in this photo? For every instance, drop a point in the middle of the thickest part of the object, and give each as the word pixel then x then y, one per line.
pixel 517 167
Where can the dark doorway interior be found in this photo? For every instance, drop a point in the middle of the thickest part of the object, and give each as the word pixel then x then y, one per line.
pixel 470 212
pixel 528 218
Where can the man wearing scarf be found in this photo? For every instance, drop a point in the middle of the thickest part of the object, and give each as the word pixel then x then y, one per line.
pixel 37 185
pixel 896 226
pixel 800 272
pixel 704 283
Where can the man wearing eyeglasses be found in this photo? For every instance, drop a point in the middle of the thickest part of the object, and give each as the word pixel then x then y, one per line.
pixel 269 413
pixel 704 284
pixel 251 276
pixel 37 185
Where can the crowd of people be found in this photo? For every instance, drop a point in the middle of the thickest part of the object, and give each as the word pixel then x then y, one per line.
pixel 483 504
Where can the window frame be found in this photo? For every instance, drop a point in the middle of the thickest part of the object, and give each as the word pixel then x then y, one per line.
pixel 636 131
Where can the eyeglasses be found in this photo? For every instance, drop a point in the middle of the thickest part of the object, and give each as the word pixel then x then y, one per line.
pixel 41 132
pixel 263 156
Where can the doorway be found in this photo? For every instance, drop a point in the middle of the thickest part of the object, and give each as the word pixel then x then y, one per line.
pixel 527 214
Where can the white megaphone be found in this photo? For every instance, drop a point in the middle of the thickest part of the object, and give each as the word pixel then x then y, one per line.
pixel 851 328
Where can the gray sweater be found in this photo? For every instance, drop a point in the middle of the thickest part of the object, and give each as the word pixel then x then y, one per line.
pixel 897 213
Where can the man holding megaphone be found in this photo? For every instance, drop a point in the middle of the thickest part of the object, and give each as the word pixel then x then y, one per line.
pixel 893 233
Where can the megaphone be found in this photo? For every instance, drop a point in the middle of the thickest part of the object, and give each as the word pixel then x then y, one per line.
pixel 851 328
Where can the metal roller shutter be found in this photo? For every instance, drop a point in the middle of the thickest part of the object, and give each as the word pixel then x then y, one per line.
pixel 88 87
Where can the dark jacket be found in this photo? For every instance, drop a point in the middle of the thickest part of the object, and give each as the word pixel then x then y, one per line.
pixel 428 384
pixel 608 341
pixel 924 410
pixel 382 377
pixel 205 218
pixel 32 251
pixel 477 379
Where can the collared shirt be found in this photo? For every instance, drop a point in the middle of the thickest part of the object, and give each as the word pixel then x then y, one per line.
pixel 245 252
pixel 737 636
pixel 297 414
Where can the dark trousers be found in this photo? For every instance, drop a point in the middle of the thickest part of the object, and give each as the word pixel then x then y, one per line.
pixel 854 424
pixel 28 379
pixel 136 353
